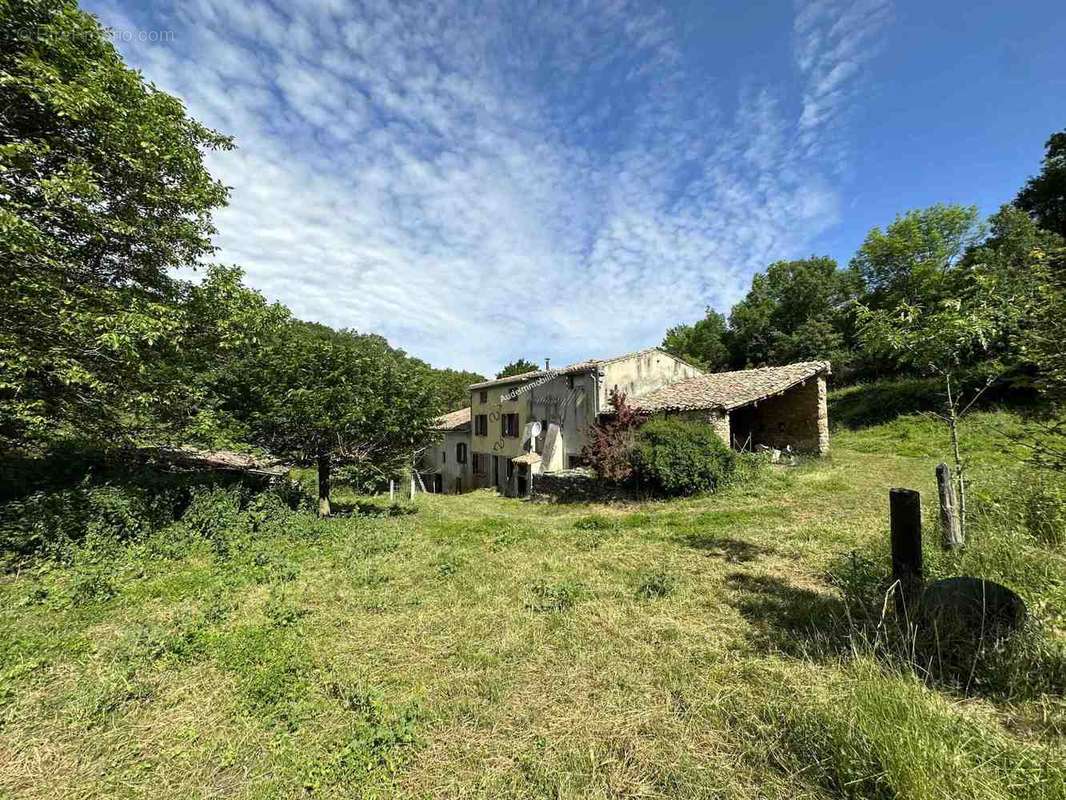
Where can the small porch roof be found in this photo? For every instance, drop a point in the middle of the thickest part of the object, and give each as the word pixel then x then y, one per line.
pixel 455 421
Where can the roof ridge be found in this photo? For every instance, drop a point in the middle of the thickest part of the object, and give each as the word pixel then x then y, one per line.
pixel 586 363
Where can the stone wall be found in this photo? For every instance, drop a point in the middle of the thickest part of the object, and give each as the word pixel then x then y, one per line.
pixel 575 486
pixel 798 419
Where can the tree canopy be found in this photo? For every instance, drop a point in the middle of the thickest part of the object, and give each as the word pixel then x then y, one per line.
pixel 909 261
pixel 517 367
pixel 104 192
pixel 328 397
pixel 1044 196
pixel 703 344
pixel 795 311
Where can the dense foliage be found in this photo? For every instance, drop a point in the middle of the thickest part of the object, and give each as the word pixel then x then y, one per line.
pixel 1044 196
pixel 933 266
pixel 518 367
pixel 609 449
pixel 321 396
pixel 674 457
pixel 702 344
pixel 103 194
pixel 452 387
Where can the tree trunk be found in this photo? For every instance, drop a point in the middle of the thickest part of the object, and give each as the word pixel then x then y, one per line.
pixel 323 486
pixel 949 512
pixel 960 476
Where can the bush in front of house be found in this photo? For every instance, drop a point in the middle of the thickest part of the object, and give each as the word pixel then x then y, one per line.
pixel 675 457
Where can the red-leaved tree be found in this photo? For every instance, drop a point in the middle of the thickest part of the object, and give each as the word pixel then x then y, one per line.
pixel 611 440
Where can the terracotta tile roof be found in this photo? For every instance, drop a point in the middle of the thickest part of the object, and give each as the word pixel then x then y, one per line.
pixel 570 369
pixel 455 421
pixel 729 390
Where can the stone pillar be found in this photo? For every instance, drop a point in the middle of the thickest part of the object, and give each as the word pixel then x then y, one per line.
pixel 719 420
pixel 823 417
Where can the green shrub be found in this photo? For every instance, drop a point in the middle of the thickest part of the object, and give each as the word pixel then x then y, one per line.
pixel 47 523
pixel 214 514
pixel 674 457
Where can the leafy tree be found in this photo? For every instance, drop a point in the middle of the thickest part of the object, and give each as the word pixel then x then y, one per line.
pixel 103 191
pixel 1011 264
pixel 610 440
pixel 453 387
pixel 910 261
pixel 796 310
pixel 223 325
pixel 941 339
pixel 518 367
pixel 1044 196
pixel 702 344
pixel 1043 343
pixel 337 397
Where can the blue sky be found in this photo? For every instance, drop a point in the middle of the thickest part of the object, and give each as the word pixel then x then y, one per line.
pixel 483 181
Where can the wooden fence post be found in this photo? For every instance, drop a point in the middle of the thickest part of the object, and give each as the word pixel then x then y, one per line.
pixel 905 510
pixel 951 530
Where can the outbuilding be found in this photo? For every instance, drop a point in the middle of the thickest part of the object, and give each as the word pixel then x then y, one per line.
pixel 778 407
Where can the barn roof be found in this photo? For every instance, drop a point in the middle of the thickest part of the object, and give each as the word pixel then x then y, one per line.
pixel 729 390
pixel 455 421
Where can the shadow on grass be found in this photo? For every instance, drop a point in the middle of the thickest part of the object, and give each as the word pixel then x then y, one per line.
pixel 734 551
pixel 789 618
pixel 816 625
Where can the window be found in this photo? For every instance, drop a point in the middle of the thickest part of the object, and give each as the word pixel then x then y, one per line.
pixel 481 425
pixel 479 463
pixel 444 456
pixel 509 425
pixel 575 461
pixel 569 381
pixel 483 396
pixel 460 452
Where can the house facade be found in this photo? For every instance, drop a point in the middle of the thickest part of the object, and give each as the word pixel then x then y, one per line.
pixel 538 422
pixel 445 461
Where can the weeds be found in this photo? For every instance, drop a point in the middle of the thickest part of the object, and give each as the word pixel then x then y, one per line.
pixel 555 598
pixel 656 585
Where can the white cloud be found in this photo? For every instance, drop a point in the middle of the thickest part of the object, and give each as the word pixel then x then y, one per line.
pixel 479 185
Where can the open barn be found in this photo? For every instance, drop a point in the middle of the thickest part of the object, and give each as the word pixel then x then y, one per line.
pixel 778 407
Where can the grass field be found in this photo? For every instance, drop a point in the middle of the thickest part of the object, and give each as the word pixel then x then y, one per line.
pixel 488 647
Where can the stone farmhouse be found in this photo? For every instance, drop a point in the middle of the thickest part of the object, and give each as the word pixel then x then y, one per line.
pixel 537 422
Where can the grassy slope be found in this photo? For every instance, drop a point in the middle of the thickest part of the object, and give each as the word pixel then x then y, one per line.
pixel 486 647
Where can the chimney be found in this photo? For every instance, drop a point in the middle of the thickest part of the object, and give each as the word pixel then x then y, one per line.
pixel 547 364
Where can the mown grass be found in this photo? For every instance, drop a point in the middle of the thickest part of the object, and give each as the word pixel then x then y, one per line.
pixel 488 647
